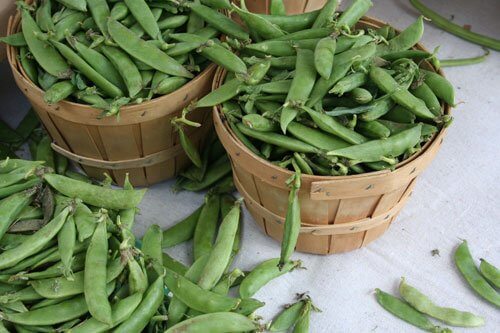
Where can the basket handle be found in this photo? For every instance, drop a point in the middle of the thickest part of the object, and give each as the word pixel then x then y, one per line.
pixel 327 229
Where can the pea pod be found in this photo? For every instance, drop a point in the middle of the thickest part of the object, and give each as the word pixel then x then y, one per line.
pixel 215 173
pixel 68 25
pixel 95 195
pixel 373 129
pixel 257 24
pixel 291 229
pixel 283 48
pixel 348 83
pixel 440 86
pixel 215 322
pixel 80 5
pixel 16 39
pixel 316 137
pixel 287 318
pixel 354 12
pixel 48 58
pixel 324 56
pixel 222 94
pixel 259 123
pixel 292 23
pixel 427 95
pixel 302 324
pixel 490 272
pixel 59 91
pixel 100 12
pixel 142 13
pixel 28 63
pixel 66 239
pixel 182 231
pixel 145 310
pixel 262 274
pixel 404 311
pixel 326 14
pixel 206 227
pixel 219 21
pixel 145 52
pixel 9 190
pixel 12 207
pixel 447 315
pixel 43 16
pixel 188 146
pixel 277 7
pixel 119 11
pixel 466 266
pixel 126 67
pixel 404 40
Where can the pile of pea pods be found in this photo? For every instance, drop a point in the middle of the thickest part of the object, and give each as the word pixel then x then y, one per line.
pixel 111 53
pixel 330 96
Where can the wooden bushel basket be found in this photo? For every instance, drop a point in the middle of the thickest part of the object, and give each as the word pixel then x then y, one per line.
pixel 6 9
pixel 142 142
pixel 338 214
pixel 292 6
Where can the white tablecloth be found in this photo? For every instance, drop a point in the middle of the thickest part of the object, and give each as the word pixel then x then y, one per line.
pixel 458 197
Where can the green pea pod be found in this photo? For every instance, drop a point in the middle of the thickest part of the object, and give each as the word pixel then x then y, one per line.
pixel 95 276
pixel 122 310
pixel 292 225
pixel 188 146
pixel 315 137
pixel 324 55
pixel 68 25
pixel 401 96
pixel 287 318
pixel 219 21
pixel 87 70
pixel 293 23
pixel 302 324
pixel 257 72
pixel 147 53
pixel 222 94
pixel 378 108
pixel 377 150
pixel 447 315
pixel 405 40
pixel 85 221
pixel 361 96
pixel 490 272
pixel 169 85
pixel 440 86
pixel 173 264
pixel 34 242
pixel 24 295
pixel 142 13
pixel 48 58
pixel 215 173
pixel 119 11
pixel 95 195
pixel 137 279
pixel 16 39
pixel 66 239
pixel 172 22
pixel 257 24
pixel 326 14
pixel 466 266
pixel 77 264
pixel 373 129
pixel 354 12
pixel 59 91
pixel 221 253
pixel 11 207
pixel 100 12
pixel 195 22
pixel 151 248
pixel 400 114
pixel 348 83
pixel 28 63
pixel 126 68
pixel 427 95
pixel 262 274
pixel 243 138
pixel 30 213
pixel 283 48
pixel 206 227
pixel 259 123
pixel 302 85
pixel 181 231
pixel 141 316
pixel 43 16
pixel 80 5
pixel 215 322
pixel 277 7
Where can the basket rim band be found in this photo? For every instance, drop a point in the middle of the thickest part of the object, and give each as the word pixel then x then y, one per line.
pixel 360 225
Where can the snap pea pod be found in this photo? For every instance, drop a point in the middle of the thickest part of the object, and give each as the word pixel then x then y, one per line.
pixel 373 129
pixel 287 62
pixel 145 52
pixel 259 123
pixel 400 114
pixel 188 146
pixel 47 251
pixel 326 14
pixel 448 316
pixel 378 108
pixel 279 140
pixel 122 310
pixel 215 173
pixel 54 314
pixel 59 91
pixel 24 295
pixel 257 72
pixel 54 256
pixel 293 23
pixel 427 95
pixel 303 322
pixel 119 11
pixel 28 63
pixel 16 39
pixel 262 274
pixel 206 226
pixel 33 243
pixel 220 95
pixel 219 21
pixel 95 195
pixel 301 87
pixel 354 12
pixel 215 323
pixel 77 264
pixel 287 318
pixel 9 190
pixel 466 266
pixel 11 207
pixel 324 56
pixel 464 61
pixel 404 40
pixel 440 86
pixel 69 25
pixel 30 213
pixel 490 272
pixel 243 138
pixel 47 57
pixel 80 5
pixel 405 312
pixel 400 95
pixel 142 13
pixel 181 231
pixel 66 239
pixel 100 12
pixel 172 22
pixel 277 7
pixel 145 310
pixel 43 16
pixel 293 222
pixel 377 150
pixel 316 137
pixel 220 254
pixel 282 48
pixel 257 24
pixel 348 83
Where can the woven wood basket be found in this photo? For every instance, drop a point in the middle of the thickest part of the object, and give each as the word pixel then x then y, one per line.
pixel 6 9
pixel 338 214
pixel 292 6
pixel 142 142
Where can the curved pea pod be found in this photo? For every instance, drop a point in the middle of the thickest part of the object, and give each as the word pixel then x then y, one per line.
pixel 188 146
pixel 219 21
pixel 215 173
pixel 404 40
pixel 326 14
pixel 324 56
pixel 348 83
pixel 407 313
pixel 145 52
pixel 68 25
pixel 273 87
pixel 220 255
pixel 220 95
pixel 11 207
pixel 447 315
pixel 146 310
pixel 427 95
pixel 80 5
pixel 259 25
pixel 119 11
pixel 293 222
pixel 215 322
pixel 198 298
pixel 54 314
pixel 277 7
pixel 169 85
pixel 361 96
pixel 401 96
pixel 400 114
pixel 373 129
pixel 302 86
pixel 206 227
pixel 287 318
pixel 378 108
pixel 29 64
pixel 24 295
pixel 95 195
pixel 259 123
pixel 257 72
pixel 282 48
pixel 354 12
pixel 181 231
pixel 16 39
pixel 59 91
pixel 172 22
pixel 315 137
pixel 144 16
pixel 383 149
pixel 85 221
pixel 48 58
pixel 77 264
pixel 122 310
pixel 262 274
pixel 34 242
pixel 490 272
pixel 466 266
pixel 440 86
pixel 66 239
pixel 293 23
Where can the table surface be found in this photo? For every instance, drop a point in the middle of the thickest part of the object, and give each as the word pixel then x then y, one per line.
pixel 456 198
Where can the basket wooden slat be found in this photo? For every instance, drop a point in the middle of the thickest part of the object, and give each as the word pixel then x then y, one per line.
pixel 142 133
pixel 292 6
pixel 338 214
